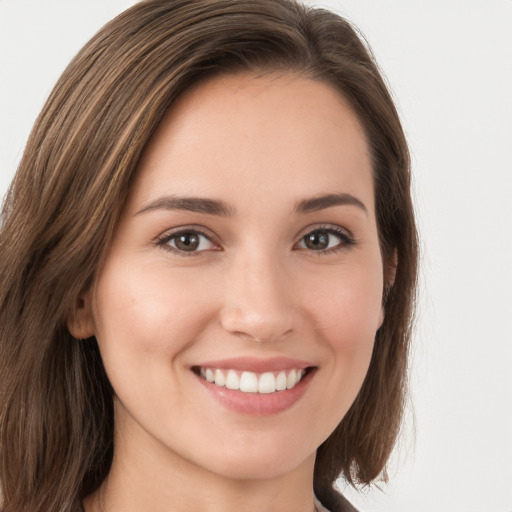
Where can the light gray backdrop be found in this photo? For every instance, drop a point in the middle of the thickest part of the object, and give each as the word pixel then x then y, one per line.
pixel 449 63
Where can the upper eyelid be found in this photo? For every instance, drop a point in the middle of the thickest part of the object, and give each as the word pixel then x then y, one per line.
pixel 169 233
pixel 336 228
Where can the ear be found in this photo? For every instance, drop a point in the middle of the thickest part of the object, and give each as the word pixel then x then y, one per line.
pixel 80 320
pixel 390 273
pixel 389 281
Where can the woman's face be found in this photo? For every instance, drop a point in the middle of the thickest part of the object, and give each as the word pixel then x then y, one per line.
pixel 247 254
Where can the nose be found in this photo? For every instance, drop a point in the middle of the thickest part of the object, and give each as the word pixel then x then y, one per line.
pixel 258 300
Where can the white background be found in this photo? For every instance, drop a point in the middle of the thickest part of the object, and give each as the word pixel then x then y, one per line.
pixel 449 63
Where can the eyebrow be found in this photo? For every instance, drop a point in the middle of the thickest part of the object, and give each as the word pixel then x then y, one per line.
pixel 321 202
pixel 222 209
pixel 191 204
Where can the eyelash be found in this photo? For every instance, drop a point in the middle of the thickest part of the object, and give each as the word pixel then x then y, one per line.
pixel 346 240
pixel 163 241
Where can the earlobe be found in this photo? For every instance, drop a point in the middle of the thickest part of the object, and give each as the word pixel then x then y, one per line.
pixel 390 274
pixel 389 281
pixel 382 314
pixel 80 320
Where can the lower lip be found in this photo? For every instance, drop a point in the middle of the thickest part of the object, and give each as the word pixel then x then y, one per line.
pixel 258 404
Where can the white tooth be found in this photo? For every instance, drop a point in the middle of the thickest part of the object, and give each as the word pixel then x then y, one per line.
pixel 249 382
pixel 220 380
pixel 232 380
pixel 267 383
pixel 209 375
pixel 202 373
pixel 290 381
pixel 281 381
pixel 299 375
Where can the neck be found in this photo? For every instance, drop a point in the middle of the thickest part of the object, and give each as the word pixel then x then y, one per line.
pixel 148 476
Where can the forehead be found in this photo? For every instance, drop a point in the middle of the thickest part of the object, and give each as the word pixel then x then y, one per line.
pixel 240 135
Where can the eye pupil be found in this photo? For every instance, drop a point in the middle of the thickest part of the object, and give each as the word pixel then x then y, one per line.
pixel 187 241
pixel 317 241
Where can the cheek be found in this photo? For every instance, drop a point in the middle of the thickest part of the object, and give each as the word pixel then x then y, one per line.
pixel 146 313
pixel 348 314
pixel 349 326
pixel 348 307
pixel 345 311
pixel 145 319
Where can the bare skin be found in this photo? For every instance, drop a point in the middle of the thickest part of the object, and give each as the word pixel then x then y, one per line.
pixel 249 238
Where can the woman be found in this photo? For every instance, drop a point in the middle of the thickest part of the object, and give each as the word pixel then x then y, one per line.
pixel 208 261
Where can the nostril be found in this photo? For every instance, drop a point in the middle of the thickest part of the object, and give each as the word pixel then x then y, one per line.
pixel 261 312
pixel 257 327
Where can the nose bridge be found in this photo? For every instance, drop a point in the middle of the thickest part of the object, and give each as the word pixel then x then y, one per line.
pixel 257 297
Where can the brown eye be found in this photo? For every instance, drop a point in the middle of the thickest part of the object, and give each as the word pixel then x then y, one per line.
pixel 187 242
pixel 317 240
pixel 325 240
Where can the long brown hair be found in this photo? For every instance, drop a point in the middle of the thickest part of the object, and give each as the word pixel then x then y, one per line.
pixel 56 403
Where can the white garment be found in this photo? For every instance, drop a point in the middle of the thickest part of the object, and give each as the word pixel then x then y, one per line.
pixel 319 506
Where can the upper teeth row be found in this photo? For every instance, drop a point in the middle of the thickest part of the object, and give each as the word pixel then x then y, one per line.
pixel 250 382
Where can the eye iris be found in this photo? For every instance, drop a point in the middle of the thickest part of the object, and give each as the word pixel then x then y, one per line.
pixel 187 241
pixel 317 241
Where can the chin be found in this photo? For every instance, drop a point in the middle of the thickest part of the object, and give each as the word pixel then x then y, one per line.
pixel 257 458
pixel 258 468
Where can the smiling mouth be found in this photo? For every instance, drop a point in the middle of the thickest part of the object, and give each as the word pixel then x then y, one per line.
pixel 251 382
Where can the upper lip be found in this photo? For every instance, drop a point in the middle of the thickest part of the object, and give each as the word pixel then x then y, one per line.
pixel 256 365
